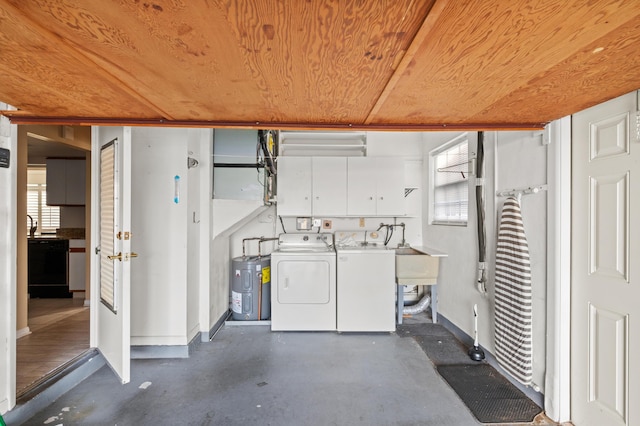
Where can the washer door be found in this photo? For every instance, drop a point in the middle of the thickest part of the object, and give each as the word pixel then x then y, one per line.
pixel 305 281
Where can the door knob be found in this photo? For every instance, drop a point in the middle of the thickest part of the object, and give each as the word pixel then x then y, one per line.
pixel 133 254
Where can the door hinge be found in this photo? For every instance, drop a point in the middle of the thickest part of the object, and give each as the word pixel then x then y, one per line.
pixel 123 235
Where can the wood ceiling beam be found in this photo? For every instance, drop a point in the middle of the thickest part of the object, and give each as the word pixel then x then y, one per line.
pixel 17 117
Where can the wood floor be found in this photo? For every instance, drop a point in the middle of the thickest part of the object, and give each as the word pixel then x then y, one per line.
pixel 59 333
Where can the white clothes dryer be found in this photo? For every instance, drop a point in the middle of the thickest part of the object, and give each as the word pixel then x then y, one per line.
pixel 303 283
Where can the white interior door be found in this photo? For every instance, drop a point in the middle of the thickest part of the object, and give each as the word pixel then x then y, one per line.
pixel 605 285
pixel 112 300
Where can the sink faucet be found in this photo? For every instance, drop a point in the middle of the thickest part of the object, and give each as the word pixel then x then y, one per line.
pixel 32 228
pixel 390 227
pixel 403 243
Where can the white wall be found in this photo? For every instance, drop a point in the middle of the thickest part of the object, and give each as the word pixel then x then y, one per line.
pixel 512 160
pixel 394 144
pixel 521 163
pixel 8 209
pixel 161 293
pixel 198 227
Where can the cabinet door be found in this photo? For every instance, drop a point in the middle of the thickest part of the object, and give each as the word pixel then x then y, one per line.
pixel 361 187
pixel 329 186
pixel 56 182
pixel 294 186
pixel 76 182
pixel 390 187
pixel 76 271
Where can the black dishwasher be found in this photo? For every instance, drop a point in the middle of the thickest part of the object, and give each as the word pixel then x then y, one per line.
pixel 48 266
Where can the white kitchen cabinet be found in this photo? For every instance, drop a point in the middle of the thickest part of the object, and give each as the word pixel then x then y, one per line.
pixel 329 189
pixel 77 265
pixel 66 182
pixel 294 186
pixel 375 186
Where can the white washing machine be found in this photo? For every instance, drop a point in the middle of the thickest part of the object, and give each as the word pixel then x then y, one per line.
pixel 366 282
pixel 303 283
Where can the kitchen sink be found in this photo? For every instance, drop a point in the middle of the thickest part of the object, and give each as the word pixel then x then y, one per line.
pixel 415 266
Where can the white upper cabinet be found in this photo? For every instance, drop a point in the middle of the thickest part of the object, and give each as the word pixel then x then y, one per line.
pixel 329 186
pixel 341 186
pixel 390 187
pixel 66 182
pixel 375 186
pixel 56 182
pixel 294 186
pixel 312 186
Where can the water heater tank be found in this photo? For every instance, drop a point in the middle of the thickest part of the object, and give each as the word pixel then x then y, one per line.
pixel 251 288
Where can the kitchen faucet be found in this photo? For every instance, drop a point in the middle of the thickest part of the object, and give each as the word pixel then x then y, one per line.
pixel 32 228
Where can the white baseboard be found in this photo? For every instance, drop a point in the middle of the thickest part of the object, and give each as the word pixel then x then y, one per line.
pixel 23 332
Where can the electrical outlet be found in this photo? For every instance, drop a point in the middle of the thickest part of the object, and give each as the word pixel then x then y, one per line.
pixel 326 224
pixel 362 222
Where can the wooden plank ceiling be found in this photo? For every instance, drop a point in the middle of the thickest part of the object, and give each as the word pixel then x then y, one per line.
pixel 396 64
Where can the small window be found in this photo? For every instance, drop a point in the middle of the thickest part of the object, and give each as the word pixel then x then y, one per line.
pixel 449 187
pixel 46 218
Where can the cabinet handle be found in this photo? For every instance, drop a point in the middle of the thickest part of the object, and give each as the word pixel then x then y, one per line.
pixel 382 198
pixel 371 198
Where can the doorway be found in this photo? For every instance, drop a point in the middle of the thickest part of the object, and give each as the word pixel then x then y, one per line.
pixel 53 292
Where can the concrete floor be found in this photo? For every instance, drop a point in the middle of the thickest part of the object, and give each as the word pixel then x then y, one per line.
pixel 250 375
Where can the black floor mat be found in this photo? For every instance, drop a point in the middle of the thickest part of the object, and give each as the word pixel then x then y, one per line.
pixel 488 395
pixel 437 342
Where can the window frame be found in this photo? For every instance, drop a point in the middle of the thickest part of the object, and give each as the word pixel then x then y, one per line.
pixel 35 184
pixel 456 141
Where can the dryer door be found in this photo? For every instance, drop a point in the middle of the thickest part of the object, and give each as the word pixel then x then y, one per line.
pixel 303 281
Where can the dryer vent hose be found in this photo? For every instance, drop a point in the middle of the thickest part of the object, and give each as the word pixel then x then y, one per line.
pixel 419 307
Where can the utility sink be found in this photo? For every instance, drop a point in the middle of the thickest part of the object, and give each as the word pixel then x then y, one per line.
pixel 415 267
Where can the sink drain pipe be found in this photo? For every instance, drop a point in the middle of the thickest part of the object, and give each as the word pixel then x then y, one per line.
pixel 419 307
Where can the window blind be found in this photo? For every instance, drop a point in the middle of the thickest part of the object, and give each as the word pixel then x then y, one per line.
pixel 450 187
pixel 46 217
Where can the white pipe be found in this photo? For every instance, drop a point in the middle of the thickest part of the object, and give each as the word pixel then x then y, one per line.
pixel 419 307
